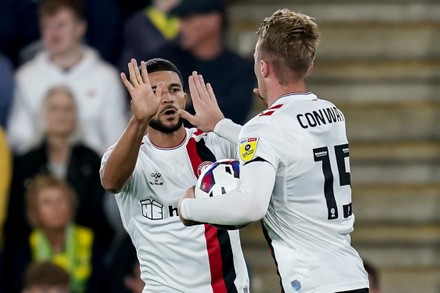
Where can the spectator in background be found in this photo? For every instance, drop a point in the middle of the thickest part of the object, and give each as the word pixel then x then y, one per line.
pixel 62 154
pixel 373 277
pixel 148 30
pixel 65 59
pixel 55 237
pixel 203 27
pixel 20 36
pixel 6 88
pixel 5 179
pixel 128 7
pixel 46 277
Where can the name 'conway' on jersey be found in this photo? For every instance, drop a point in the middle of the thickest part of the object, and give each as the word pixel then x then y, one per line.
pixel 309 218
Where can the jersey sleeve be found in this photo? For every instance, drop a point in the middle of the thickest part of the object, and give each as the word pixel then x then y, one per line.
pixel 247 204
pixel 104 161
pixel 221 147
pixel 259 140
pixel 227 129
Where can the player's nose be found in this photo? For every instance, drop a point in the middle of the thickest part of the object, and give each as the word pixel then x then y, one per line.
pixel 167 97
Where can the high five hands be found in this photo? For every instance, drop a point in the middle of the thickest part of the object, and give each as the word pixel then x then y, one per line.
pixel 205 104
pixel 144 100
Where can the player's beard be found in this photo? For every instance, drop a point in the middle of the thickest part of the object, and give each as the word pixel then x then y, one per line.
pixel 159 126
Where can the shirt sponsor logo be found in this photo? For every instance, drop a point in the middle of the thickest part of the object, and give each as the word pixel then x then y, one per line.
pixel 154 210
pixel 248 148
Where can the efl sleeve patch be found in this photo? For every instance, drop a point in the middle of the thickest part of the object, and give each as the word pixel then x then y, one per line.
pixel 248 148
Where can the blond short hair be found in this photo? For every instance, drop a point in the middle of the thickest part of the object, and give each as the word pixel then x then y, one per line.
pixel 288 40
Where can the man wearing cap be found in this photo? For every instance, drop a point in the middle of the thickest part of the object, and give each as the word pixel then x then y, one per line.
pixel 202 48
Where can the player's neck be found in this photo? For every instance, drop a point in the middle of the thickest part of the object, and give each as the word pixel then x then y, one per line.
pixel 166 140
pixel 279 91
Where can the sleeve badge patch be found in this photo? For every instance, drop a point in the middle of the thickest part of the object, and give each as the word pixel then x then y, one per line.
pixel 248 148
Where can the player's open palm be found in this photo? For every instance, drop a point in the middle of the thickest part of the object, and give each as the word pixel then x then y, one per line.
pixel 208 112
pixel 144 101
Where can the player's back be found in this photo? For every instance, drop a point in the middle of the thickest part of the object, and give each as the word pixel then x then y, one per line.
pixel 309 216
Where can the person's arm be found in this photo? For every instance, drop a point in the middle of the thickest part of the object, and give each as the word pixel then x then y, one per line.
pixel 228 129
pixel 144 104
pixel 247 204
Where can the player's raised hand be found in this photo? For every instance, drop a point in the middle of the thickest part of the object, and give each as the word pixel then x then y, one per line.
pixel 205 104
pixel 144 101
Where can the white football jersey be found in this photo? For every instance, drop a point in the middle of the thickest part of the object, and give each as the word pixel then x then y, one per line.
pixel 173 257
pixel 309 218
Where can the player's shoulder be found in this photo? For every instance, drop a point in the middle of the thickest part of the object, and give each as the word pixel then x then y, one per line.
pixel 259 125
pixel 326 103
pixel 267 117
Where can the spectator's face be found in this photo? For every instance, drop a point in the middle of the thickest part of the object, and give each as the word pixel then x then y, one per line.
pixel 60 115
pixel 61 32
pixel 173 98
pixel 196 29
pixel 53 208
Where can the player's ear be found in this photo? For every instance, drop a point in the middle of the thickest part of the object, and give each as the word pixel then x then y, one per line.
pixel 264 68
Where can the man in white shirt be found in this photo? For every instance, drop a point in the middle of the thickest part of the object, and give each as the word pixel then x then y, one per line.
pixel 154 161
pixel 65 60
pixel 294 161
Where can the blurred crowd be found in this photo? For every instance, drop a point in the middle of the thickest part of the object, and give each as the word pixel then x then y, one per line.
pixel 62 104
